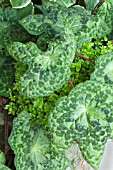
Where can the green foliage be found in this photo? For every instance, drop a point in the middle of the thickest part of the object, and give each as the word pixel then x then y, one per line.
pixel 2 158
pixel 9 28
pixel 104 69
pixel 41 95
pixel 19 3
pixel 10 31
pixel 7 76
pixel 3 167
pixel 91 5
pixel 60 162
pixel 81 69
pixel 65 29
pixel 33 146
pixel 40 107
pixel 47 71
pixel 4 3
pixel 22 12
pixel 2 162
pixel 56 20
pixel 1 1
pixel 66 3
pixel 105 21
pixel 83 116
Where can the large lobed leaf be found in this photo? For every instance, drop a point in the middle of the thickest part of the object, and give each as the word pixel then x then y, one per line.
pixel 32 147
pixel 56 18
pixel 47 71
pixel 84 115
pixel 29 143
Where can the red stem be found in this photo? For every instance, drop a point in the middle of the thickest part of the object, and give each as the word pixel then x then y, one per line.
pixel 70 83
pixel 80 55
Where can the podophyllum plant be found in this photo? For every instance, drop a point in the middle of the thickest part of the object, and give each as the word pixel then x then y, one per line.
pixel 64 30
pixel 57 32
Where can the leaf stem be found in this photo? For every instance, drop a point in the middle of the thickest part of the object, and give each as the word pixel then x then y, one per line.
pixel 70 83
pixel 82 56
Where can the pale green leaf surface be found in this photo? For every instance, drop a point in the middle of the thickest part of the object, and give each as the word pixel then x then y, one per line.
pixel 2 162
pixel 19 3
pixel 2 158
pixel 90 4
pixel 3 167
pixel 66 3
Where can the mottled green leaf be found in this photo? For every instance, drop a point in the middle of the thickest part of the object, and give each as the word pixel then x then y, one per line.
pixel 10 29
pixel 58 163
pixel 55 20
pixel 29 143
pixel 47 71
pixel 84 116
pixel 104 18
pixel 104 69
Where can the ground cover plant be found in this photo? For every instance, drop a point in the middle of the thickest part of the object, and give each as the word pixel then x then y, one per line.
pixel 56 96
